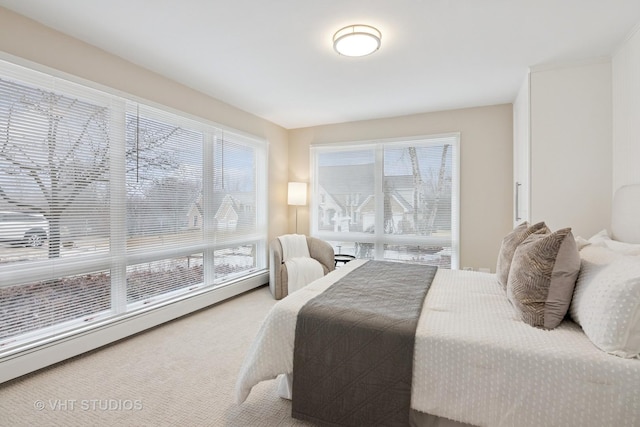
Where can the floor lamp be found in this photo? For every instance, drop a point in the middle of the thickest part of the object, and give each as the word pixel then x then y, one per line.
pixel 297 197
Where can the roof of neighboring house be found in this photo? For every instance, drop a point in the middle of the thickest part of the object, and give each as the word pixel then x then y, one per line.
pixel 339 180
pixel 404 204
pixel 342 182
pixel 237 200
pixel 353 179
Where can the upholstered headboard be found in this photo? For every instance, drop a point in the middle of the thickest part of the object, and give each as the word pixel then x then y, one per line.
pixel 625 216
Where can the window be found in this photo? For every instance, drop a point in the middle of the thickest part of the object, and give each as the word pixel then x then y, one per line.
pixel 108 206
pixel 392 200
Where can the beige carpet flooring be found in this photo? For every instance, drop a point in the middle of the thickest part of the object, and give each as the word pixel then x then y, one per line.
pixel 182 373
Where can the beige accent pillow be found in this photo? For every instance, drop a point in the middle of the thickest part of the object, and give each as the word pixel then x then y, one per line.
pixel 510 244
pixel 543 275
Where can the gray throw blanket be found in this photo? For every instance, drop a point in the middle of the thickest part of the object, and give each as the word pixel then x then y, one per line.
pixel 353 354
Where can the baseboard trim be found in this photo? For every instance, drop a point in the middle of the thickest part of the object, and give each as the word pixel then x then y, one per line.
pixel 33 359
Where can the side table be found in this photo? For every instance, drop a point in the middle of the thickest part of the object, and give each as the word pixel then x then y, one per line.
pixel 343 258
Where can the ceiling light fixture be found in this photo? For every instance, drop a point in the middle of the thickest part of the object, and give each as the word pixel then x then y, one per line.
pixel 356 40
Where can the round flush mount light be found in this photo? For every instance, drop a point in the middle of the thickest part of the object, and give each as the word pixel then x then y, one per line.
pixel 356 40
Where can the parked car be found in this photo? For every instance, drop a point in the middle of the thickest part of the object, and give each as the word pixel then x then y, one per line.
pixel 29 229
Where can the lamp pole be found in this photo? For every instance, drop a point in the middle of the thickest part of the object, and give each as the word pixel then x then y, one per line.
pixel 297 197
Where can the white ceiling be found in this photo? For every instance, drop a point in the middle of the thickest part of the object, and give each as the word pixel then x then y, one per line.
pixel 274 58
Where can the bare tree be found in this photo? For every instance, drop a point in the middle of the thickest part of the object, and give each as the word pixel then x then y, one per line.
pixel 389 226
pixel 419 199
pixel 146 139
pixel 438 190
pixel 54 147
pixel 424 215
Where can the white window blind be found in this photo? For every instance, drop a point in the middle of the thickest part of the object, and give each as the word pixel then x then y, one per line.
pixel 164 170
pixel 54 184
pixel 394 200
pixel 108 206
pixel 54 179
pixel 235 205
pixel 234 187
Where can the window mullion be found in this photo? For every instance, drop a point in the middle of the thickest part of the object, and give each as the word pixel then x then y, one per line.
pixel 379 197
pixel 262 199
pixel 208 174
pixel 118 209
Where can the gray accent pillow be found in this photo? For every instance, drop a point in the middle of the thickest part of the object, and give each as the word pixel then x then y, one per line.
pixel 510 244
pixel 543 275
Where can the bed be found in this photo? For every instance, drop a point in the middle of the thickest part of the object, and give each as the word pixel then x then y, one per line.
pixel 476 361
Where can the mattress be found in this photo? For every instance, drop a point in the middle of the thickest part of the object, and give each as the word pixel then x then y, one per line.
pixel 476 362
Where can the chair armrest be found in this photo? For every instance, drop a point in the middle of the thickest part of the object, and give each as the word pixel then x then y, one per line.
pixel 323 252
pixel 278 278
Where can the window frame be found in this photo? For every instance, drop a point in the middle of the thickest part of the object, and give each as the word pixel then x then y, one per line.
pixel 378 238
pixel 116 260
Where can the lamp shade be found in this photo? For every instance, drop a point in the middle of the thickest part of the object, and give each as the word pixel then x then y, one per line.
pixel 297 193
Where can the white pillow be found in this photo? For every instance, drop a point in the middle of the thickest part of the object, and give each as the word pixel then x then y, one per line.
pixel 606 300
pixel 581 242
pixel 622 247
pixel 602 239
pixel 602 234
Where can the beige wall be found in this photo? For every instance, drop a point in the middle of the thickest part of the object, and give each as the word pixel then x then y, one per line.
pixel 626 112
pixel 486 136
pixel 28 40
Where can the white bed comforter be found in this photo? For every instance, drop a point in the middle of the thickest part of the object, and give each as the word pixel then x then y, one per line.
pixel 475 362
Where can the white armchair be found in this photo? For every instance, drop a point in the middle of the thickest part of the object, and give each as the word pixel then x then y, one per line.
pixel 278 276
